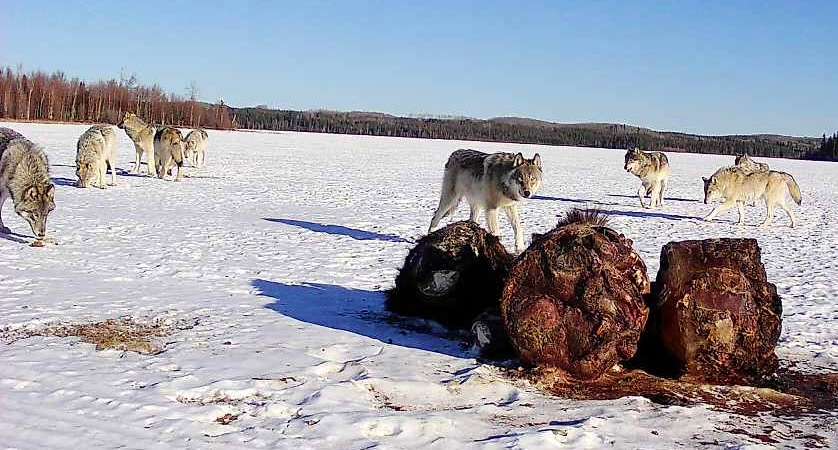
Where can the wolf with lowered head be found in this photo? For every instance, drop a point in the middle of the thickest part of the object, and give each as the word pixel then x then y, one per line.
pixel 653 170
pixel 737 186
pixel 489 182
pixel 142 134
pixel 24 177
pixel 95 152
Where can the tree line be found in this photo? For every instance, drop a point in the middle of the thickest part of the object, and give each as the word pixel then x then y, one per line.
pixel 829 148
pixel 41 96
pixel 37 95
pixel 527 132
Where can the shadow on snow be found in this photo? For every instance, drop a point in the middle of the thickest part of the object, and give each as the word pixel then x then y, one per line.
pixel 360 312
pixel 339 230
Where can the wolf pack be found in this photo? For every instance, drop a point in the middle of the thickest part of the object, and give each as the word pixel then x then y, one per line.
pixel 24 166
pixel 488 182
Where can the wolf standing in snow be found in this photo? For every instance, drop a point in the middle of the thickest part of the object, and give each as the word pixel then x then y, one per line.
pixel 142 135
pixel 24 177
pixel 653 170
pixel 95 151
pixel 168 151
pixel 490 182
pixel 737 186
pixel 196 147
pixel 747 164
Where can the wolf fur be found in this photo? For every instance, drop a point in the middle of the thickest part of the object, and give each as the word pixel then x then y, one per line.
pixel 490 182
pixel 142 135
pixel 24 177
pixel 747 164
pixel 168 151
pixel 95 151
pixel 737 186
pixel 653 170
pixel 196 147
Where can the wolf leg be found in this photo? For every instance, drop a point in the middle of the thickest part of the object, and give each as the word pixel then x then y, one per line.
pixel 152 162
pixel 741 207
pixel 113 172
pixel 769 215
pixel 641 191
pixel 3 197
pixel 139 152
pixel 492 221
pixel 447 206
pixel 718 210
pixel 179 172
pixel 663 184
pixel 515 219
pixel 657 189
pixel 101 175
pixel 475 212
pixel 790 213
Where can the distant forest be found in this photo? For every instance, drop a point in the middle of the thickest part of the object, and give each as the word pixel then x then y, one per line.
pixel 40 96
pixel 54 97
pixel 528 131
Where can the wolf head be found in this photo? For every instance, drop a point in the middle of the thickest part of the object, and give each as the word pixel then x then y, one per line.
pixel 712 189
pixel 524 179
pixel 86 172
pixel 634 161
pixel 35 205
pixel 131 121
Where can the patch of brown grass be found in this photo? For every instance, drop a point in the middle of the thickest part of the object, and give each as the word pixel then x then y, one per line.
pixel 125 334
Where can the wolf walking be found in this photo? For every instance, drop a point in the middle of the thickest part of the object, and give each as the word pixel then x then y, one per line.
pixel 490 182
pixel 168 151
pixel 196 147
pixel 737 186
pixel 653 170
pixel 95 152
pixel 142 135
pixel 24 177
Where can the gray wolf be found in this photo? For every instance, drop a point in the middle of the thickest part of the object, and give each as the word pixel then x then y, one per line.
pixel 653 170
pixel 24 177
pixel 168 151
pixel 737 186
pixel 747 164
pixel 490 182
pixel 142 135
pixel 95 151
pixel 196 147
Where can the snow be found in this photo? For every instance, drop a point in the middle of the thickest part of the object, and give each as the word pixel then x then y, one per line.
pixel 277 253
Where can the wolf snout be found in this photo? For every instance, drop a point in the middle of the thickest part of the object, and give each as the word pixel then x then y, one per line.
pixel 527 194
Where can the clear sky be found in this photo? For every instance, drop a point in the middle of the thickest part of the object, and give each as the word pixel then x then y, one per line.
pixel 713 67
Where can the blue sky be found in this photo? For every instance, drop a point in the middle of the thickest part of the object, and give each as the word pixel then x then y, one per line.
pixel 707 67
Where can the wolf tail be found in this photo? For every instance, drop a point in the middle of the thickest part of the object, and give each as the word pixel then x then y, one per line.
pixel 794 189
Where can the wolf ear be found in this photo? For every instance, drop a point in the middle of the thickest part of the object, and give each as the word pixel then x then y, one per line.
pixel 50 192
pixel 518 161
pixel 537 160
pixel 705 179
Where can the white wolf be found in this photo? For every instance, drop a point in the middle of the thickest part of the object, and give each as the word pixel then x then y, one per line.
pixel 95 151
pixel 196 147
pixel 24 177
pixel 168 151
pixel 142 135
pixel 747 164
pixel 737 186
pixel 653 170
pixel 489 182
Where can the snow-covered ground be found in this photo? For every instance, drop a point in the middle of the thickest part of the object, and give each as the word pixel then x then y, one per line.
pixel 278 252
